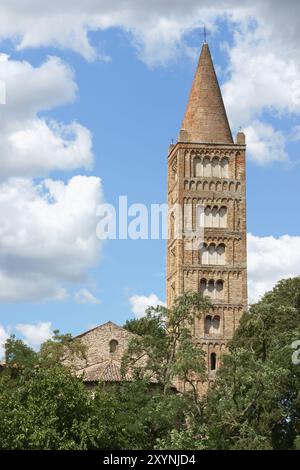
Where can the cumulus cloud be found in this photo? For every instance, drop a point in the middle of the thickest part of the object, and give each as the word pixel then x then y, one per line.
pixel 262 80
pixel 264 143
pixel 84 296
pixel 157 28
pixel 262 73
pixel 47 236
pixel 139 303
pixel 29 144
pixel 271 259
pixel 35 334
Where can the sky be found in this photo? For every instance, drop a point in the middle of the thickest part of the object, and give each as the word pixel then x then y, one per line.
pixel 92 94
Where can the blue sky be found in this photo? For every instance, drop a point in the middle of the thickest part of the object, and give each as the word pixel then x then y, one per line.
pixel 129 108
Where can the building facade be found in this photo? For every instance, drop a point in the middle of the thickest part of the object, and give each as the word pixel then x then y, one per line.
pixel 104 349
pixel 206 250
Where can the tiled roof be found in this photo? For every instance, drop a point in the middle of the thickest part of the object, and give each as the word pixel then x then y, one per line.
pixel 108 371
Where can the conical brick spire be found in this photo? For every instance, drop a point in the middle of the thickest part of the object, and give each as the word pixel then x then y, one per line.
pixel 205 118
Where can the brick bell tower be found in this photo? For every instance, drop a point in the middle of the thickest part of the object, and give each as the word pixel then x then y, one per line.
pixel 206 178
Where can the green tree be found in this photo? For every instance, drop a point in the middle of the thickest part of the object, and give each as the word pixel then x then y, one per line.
pixel 255 403
pixel 163 355
pixel 167 353
pixel 59 348
pixel 51 409
pixel 42 404
pixel 18 355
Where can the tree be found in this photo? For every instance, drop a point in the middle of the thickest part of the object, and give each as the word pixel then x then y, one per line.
pixel 164 355
pixel 166 352
pixel 18 354
pixel 61 347
pixel 43 406
pixel 51 409
pixel 255 403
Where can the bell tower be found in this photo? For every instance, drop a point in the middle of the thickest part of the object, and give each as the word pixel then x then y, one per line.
pixel 207 181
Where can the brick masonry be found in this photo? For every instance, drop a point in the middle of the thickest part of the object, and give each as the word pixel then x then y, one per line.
pixel 215 188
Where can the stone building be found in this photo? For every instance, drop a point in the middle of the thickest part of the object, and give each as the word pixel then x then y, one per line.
pixel 105 346
pixel 206 179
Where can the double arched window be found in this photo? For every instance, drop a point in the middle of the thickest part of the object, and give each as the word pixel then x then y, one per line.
pixel 211 167
pixel 212 289
pixel 212 325
pixel 213 254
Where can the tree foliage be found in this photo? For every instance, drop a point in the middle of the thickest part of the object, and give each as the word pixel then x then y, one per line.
pixel 166 353
pixel 253 404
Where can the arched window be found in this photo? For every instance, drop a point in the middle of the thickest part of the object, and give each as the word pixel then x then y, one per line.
pixel 204 254
pixel 221 255
pixel 213 361
pixel 216 324
pixel 198 169
pixel 207 324
pixel 113 346
pixel 203 287
pixel 200 216
pixel 223 217
pixel 212 255
pixel 211 289
pixel 224 168
pixel 220 290
pixel 206 167
pixel 207 216
pixel 215 217
pixel 216 168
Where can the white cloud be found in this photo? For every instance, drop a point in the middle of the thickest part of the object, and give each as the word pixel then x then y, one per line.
pixel 262 75
pixel 3 337
pixel 47 236
pixel 264 144
pixel 35 334
pixel 271 259
pixel 29 144
pixel 157 29
pixel 139 303
pixel 260 79
pixel 84 296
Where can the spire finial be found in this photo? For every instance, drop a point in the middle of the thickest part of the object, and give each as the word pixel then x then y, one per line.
pixel 204 34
